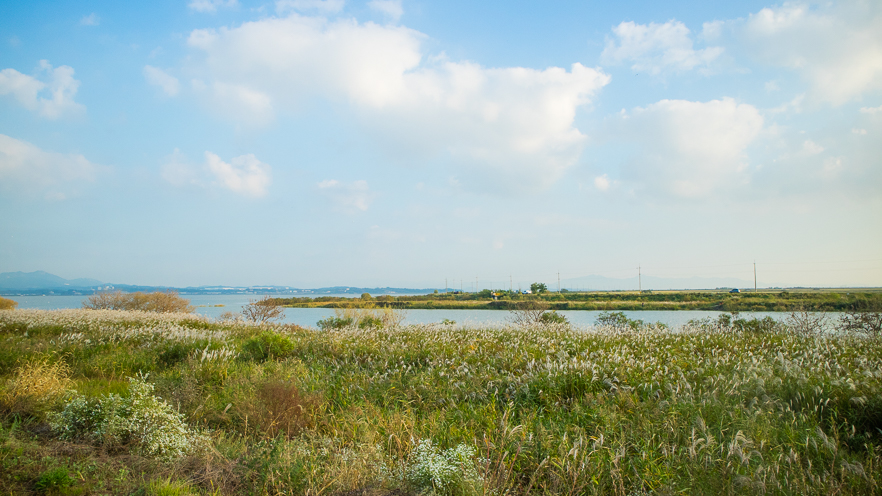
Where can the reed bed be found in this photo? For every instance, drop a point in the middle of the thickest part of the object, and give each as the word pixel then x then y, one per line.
pixel 447 409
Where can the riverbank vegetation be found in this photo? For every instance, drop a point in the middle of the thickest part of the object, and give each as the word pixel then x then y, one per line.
pixel 130 402
pixel 764 300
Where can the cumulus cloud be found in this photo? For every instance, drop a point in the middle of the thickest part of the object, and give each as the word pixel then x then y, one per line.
pixel 691 149
pixel 836 47
pixel 244 175
pixel 655 48
pixel 27 168
pixel 348 197
pixel 390 8
pixel 321 6
pixel 211 6
pixel 157 77
pixel 507 122
pixel 52 98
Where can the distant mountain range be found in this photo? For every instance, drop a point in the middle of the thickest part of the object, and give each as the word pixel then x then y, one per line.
pixel 41 282
pixel 11 281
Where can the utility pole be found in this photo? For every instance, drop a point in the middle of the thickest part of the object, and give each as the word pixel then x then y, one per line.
pixel 558 282
pixel 476 284
pixel 639 280
pixel 445 285
pixel 754 276
pixel 510 283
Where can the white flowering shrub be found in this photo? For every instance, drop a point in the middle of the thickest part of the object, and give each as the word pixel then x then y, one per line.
pixel 142 420
pixel 451 471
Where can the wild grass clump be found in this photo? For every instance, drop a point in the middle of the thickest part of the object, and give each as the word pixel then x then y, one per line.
pixel 7 304
pixel 36 387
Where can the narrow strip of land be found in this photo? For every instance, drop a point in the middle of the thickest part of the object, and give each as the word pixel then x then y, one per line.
pixel 824 300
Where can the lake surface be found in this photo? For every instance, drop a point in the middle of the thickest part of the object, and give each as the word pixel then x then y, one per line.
pixel 215 305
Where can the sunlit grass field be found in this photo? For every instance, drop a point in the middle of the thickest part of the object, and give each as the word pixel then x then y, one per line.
pixel 431 409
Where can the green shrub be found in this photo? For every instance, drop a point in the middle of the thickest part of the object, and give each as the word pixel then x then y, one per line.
pixel 553 318
pixel 332 323
pixel 618 320
pixel 369 321
pixel 53 480
pixel 141 420
pixel 268 345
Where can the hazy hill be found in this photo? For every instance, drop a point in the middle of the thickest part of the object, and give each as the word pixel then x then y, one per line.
pixel 42 280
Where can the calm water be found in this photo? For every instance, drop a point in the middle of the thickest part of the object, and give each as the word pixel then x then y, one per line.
pixel 214 305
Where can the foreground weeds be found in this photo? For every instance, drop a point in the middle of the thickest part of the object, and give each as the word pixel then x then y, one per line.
pixel 433 409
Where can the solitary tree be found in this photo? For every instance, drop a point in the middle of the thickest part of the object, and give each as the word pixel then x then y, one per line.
pixel 538 287
pixel 263 311
pixel 529 312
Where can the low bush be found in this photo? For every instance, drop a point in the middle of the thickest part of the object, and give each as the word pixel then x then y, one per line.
pixel 159 301
pixel 448 472
pixel 331 323
pixel 140 420
pixel 7 304
pixel 268 345
pixel 618 321
pixel 553 318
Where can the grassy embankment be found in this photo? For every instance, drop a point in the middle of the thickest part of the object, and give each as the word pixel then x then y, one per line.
pixel 828 300
pixel 443 409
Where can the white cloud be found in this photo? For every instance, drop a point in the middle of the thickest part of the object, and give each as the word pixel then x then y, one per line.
pixel 244 175
pixel 871 110
pixel 812 148
pixel 691 149
pixel 859 131
pixel 60 89
pixel 390 8
pixel 836 47
pixel 158 77
pixel 655 48
pixel 90 20
pixel 602 182
pixel 348 197
pixel 26 168
pixel 513 126
pixel 211 6
pixel 322 6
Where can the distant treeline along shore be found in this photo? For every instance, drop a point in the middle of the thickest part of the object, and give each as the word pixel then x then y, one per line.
pixel 745 301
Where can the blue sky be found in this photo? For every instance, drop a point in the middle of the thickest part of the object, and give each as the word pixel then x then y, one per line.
pixel 322 142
